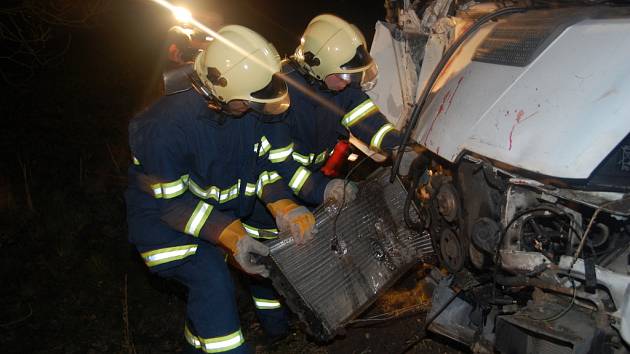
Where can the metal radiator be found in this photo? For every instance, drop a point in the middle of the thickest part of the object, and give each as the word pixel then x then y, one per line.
pixel 357 254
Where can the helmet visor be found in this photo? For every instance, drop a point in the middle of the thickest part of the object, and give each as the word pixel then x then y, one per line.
pixel 275 89
pixel 275 107
pixel 272 99
pixel 360 59
pixel 365 80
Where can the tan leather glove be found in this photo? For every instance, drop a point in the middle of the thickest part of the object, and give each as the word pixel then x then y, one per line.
pixel 242 247
pixel 294 218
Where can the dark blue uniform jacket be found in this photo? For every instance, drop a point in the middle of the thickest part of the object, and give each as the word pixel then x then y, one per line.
pixel 195 171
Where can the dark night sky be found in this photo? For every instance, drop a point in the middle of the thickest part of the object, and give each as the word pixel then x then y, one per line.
pixel 81 103
pixel 131 36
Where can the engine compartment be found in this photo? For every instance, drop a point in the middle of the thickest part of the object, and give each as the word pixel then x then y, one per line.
pixel 526 263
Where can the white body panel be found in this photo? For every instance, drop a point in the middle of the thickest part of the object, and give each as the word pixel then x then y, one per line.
pixel 393 97
pixel 560 116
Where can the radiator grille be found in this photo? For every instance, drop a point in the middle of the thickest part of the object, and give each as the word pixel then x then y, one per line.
pixel 350 262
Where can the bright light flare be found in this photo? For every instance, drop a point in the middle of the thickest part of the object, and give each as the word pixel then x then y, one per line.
pixel 306 90
pixel 182 15
pixel 188 31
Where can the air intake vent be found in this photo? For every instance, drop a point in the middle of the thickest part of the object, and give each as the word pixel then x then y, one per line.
pixel 518 40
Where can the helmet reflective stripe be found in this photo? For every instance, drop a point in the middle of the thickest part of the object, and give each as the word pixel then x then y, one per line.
pixel 165 255
pixel 299 178
pixel 265 178
pixel 260 233
pixel 170 189
pixel 359 112
pixel 377 139
pixel 216 344
pixel 265 304
pixel 281 154
pixel 198 218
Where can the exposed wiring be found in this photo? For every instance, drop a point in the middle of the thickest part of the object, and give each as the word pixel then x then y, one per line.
pixel 497 254
pixel 391 315
pixel 576 255
pixel 563 311
pixel 585 236
pixel 346 180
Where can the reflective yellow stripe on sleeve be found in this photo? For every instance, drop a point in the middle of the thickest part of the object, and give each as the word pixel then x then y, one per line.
pixel 230 193
pixel 281 154
pixel 304 160
pixel 265 146
pixel 135 161
pixel 255 232
pixel 266 304
pixel 377 139
pixel 265 178
pixel 299 178
pixel 359 112
pixel 215 344
pixel 170 189
pixel 198 218
pixel 165 255
pixel 210 192
pixel 221 196
pixel 250 189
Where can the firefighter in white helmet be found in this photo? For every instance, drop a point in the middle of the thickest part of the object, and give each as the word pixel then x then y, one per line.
pixel 334 52
pixel 327 77
pixel 200 162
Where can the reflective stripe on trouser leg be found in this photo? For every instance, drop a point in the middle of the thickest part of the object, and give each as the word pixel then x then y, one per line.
pixel 216 344
pixel 213 323
pixel 169 254
pixel 271 314
pixel 266 304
